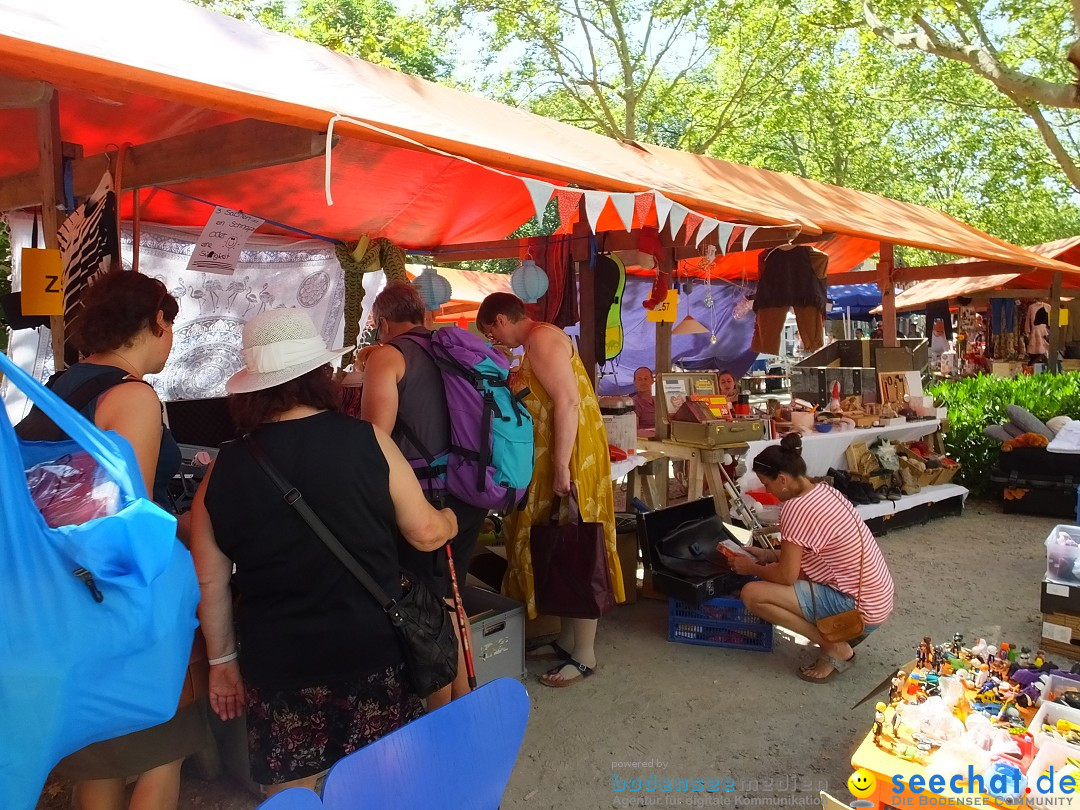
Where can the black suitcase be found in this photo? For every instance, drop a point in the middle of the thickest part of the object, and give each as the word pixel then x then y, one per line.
pixel 1033 481
pixel 653 527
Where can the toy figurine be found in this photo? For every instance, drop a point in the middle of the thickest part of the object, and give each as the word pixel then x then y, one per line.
pixel 896 691
pixel 957 644
pixel 979 650
pixel 1025 657
pixel 1040 656
pixel 981 676
pixel 991 654
pixel 924 654
pixel 879 722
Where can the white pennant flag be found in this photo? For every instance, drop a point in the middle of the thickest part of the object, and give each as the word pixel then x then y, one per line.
pixel 540 192
pixel 750 229
pixel 723 234
pixel 677 217
pixel 594 204
pixel 706 227
pixel 624 207
pixel 663 207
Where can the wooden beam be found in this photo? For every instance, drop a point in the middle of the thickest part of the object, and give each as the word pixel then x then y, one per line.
pixel 19 94
pixel 225 149
pixel 985 295
pixel 586 296
pixel 965 270
pixel 854 277
pixel 49 179
pixel 1055 325
pixel 885 270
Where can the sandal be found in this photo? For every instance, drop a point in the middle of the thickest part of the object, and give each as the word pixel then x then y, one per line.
pixel 837 665
pixel 548 678
pixel 557 653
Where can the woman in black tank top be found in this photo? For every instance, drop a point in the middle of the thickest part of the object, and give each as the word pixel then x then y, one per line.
pixel 312 651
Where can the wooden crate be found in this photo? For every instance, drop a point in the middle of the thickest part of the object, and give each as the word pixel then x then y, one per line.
pixel 1065 632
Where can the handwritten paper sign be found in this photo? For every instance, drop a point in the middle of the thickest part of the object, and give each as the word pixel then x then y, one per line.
pixel 221 240
pixel 665 311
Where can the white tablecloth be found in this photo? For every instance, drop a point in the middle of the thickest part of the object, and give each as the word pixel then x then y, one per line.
pixel 824 450
pixel 621 468
pixel 933 494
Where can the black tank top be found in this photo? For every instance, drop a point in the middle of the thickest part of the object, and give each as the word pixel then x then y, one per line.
pixel 421 399
pixel 303 619
pixel 169 457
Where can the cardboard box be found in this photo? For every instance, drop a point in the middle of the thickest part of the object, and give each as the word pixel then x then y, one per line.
pixel 1060 599
pixel 1012 369
pixel 621 431
pixel 1070 365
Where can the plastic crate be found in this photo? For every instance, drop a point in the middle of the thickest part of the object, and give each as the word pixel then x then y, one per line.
pixel 720 622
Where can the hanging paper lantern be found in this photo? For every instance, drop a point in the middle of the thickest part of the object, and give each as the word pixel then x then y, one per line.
pixel 433 288
pixel 529 282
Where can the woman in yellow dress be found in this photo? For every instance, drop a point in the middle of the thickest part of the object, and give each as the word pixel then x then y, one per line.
pixel 571 448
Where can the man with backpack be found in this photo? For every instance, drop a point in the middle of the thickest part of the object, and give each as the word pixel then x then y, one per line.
pixel 406 394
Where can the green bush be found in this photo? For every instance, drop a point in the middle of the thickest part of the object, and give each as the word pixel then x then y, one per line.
pixel 976 402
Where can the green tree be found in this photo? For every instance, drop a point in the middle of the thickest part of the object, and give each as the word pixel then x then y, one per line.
pixel 1028 51
pixel 368 29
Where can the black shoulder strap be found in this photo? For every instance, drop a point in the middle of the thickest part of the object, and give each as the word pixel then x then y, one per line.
pixel 294 499
pixel 37 427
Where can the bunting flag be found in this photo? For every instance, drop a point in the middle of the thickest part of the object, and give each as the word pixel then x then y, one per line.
pixel 723 235
pixel 642 204
pixel 707 227
pixel 663 208
pixel 624 207
pixel 747 233
pixel 693 222
pixel 677 217
pixel 568 201
pixel 594 204
pixel 540 193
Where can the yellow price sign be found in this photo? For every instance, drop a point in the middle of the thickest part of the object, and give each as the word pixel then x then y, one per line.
pixel 42 282
pixel 666 310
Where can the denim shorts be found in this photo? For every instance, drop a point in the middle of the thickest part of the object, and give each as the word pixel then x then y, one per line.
pixel 830 602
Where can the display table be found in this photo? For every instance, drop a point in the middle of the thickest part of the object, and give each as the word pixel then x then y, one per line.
pixel 824 450
pixel 704 465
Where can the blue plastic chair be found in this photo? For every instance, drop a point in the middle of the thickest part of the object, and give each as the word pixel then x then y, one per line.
pixel 293 799
pixel 459 757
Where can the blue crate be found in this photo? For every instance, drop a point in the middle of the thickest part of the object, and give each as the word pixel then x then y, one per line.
pixel 720 622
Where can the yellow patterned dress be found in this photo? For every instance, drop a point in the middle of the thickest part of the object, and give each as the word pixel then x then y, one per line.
pixel 590 472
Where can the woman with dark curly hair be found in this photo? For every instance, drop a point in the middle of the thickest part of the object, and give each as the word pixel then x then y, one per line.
pixel 322 669
pixel 123 333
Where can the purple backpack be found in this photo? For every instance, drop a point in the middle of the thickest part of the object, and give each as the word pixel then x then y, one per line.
pixel 489 462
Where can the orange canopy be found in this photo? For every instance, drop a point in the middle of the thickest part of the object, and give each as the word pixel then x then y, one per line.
pixel 136 71
pixel 1065 250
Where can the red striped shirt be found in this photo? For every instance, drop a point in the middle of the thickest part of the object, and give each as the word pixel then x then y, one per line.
pixel 834 540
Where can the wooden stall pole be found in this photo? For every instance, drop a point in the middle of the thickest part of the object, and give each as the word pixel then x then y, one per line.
pixel 888 299
pixel 663 345
pixel 586 293
pixel 1053 363
pixel 51 180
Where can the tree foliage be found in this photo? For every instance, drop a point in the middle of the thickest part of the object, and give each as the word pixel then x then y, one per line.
pixel 1028 51
pixel 368 29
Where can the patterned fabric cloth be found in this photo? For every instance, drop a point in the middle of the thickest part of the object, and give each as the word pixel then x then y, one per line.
pixel 590 472
pixel 301 732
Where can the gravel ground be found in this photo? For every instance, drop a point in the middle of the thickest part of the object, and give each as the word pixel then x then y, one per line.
pixel 691 712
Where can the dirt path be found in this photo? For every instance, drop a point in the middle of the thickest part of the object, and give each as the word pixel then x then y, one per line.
pixel 743 716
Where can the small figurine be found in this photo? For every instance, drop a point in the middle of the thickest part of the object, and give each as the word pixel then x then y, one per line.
pixel 957 644
pixel 1040 656
pixel 879 722
pixel 1025 657
pixel 896 691
pixel 924 656
pixel 991 654
pixel 979 650
pixel 981 676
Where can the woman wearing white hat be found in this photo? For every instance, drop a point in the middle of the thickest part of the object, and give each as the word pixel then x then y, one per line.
pixel 318 669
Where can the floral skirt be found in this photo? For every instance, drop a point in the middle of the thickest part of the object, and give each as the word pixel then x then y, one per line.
pixel 294 733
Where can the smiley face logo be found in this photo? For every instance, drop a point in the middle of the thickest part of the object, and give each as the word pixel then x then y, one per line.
pixel 861 783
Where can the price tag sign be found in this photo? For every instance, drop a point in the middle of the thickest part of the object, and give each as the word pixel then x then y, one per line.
pixel 666 310
pixel 222 239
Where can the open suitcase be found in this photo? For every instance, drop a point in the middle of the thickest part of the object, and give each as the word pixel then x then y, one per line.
pixel 1033 481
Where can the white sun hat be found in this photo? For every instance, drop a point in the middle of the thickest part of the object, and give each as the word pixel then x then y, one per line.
pixel 279 345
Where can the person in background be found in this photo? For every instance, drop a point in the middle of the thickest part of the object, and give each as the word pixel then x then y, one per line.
pixel 571 451
pixel 403 386
pixel 126 326
pixel 939 344
pixel 828 562
pixel 860 334
pixel 644 403
pixel 729 386
pixel 319 670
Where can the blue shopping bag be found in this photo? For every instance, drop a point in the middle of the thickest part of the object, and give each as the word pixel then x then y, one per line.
pixel 74 670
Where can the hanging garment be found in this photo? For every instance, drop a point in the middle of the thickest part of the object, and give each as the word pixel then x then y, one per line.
pixel 88 246
pixel 938 310
pixel 1002 315
pixel 768 327
pixel 792 277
